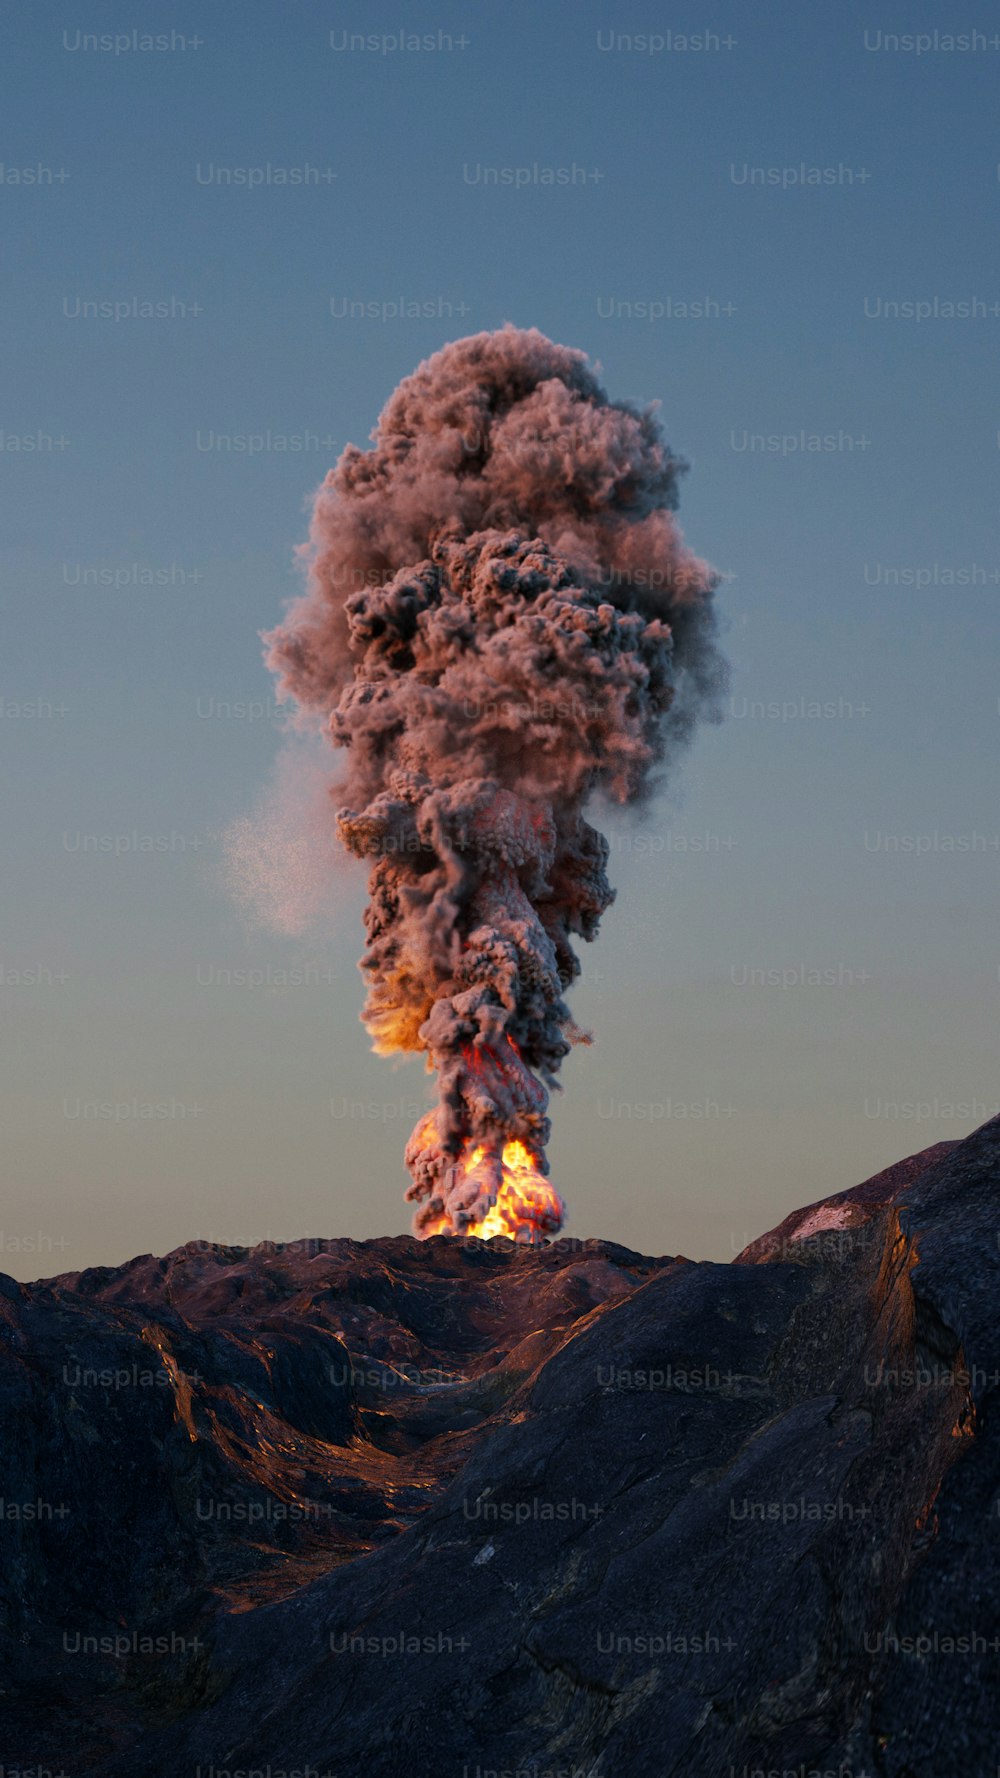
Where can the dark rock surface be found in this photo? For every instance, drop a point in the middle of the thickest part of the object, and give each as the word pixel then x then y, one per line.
pixel 392 1507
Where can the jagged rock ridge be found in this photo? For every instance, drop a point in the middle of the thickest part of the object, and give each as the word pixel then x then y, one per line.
pixel 396 1506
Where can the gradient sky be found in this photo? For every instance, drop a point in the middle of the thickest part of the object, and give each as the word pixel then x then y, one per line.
pixel 846 812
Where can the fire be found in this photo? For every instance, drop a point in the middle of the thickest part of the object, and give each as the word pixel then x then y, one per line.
pixel 527 1206
pixel 485 1179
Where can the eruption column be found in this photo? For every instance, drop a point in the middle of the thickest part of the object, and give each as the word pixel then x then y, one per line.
pixel 502 622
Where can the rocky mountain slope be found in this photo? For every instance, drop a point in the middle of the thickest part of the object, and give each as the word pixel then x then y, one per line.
pixel 413 1508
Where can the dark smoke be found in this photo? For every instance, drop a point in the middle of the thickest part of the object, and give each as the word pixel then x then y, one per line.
pixel 502 620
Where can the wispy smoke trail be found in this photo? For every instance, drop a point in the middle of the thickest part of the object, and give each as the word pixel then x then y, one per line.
pixel 502 620
pixel 280 862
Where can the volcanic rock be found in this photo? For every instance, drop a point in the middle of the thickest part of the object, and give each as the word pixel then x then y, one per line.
pixel 459 1507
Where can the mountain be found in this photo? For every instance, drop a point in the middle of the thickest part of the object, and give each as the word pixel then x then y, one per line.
pixel 433 1508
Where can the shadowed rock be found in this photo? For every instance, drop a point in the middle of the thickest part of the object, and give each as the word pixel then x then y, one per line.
pixel 392 1506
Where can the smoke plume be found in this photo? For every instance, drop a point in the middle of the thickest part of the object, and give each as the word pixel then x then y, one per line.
pixel 502 621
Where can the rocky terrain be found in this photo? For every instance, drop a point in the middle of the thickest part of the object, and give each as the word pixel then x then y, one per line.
pixel 459 1508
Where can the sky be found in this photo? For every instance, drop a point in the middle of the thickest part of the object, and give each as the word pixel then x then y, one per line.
pixel 780 225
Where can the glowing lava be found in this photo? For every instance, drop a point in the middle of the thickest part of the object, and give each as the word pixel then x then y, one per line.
pixel 527 1207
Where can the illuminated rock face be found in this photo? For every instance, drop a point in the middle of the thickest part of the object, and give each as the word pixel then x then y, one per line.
pixel 425 1506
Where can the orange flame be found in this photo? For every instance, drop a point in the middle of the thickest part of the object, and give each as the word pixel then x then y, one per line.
pixel 527 1207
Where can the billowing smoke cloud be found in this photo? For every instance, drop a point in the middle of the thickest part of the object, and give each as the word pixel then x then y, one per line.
pixel 502 621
